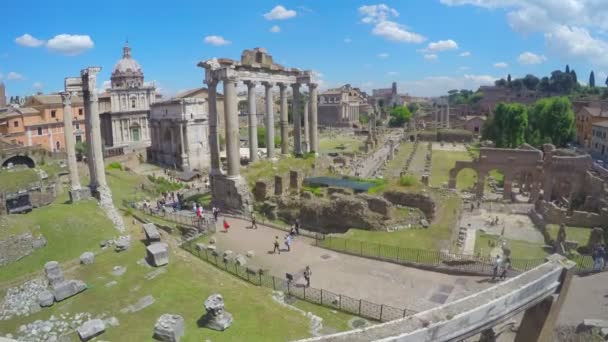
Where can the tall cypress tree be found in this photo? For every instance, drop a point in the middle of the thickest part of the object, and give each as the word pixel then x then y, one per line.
pixel 592 79
pixel 567 69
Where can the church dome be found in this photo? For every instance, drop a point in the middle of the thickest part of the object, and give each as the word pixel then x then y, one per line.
pixel 127 65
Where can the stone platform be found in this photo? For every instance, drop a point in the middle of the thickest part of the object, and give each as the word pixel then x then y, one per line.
pixel 231 193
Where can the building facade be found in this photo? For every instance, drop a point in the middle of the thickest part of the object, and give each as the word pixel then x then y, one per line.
pixel 585 118
pixel 2 95
pixel 180 133
pixel 599 140
pixel 341 107
pixel 125 107
pixel 40 122
pixel 386 97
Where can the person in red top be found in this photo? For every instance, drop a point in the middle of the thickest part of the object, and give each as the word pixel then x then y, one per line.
pixel 226 226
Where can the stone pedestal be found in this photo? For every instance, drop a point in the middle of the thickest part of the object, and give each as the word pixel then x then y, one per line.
pixel 216 318
pixel 279 185
pixel 295 180
pixel 79 194
pixel 232 193
pixel 157 254
pixel 152 234
pixel 169 328
pixel 53 272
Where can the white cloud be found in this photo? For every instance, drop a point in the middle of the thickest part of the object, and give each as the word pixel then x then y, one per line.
pixel 379 16
pixel 571 28
pixel 531 58
pixel 275 29
pixel 442 45
pixel 14 76
pixel 383 55
pixel 106 85
pixel 440 85
pixel 501 65
pixel 430 57
pixel 38 85
pixel 29 41
pixel 465 54
pixel 392 73
pixel 347 40
pixel 70 45
pixel 280 13
pixel 216 40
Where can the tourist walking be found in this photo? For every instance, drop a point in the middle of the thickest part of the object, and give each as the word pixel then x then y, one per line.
pixel 226 226
pixel 599 258
pixel 254 225
pixel 288 242
pixel 276 245
pixel 216 213
pixel 307 274
pixel 297 226
pixel 505 267
pixel 194 208
pixel 292 231
pixel 495 267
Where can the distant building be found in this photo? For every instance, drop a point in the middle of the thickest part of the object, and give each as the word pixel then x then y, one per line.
pixel 180 133
pixel 474 124
pixel 493 95
pixel 40 122
pixel 585 118
pixel 125 108
pixel 599 140
pixel 386 97
pixel 2 95
pixel 341 107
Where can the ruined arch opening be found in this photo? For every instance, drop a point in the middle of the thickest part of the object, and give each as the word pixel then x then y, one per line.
pixel 19 160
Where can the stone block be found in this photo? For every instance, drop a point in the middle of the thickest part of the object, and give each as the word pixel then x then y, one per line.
pixel 595 323
pixel 240 260
pixel 228 253
pixel 295 179
pixel 250 254
pixel 53 273
pixel 152 234
pixel 306 195
pixel 216 318
pixel 200 246
pixel 39 243
pixel 46 298
pixel 211 248
pixel 87 258
pixel 79 194
pixel 67 289
pixel 169 328
pixel 122 243
pixel 158 254
pixel 90 329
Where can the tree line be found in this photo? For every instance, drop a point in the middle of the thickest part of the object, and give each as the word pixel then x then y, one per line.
pixel 549 120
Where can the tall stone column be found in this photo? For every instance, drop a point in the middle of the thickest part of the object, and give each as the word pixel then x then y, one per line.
pixel 269 121
pixel 232 127
pixel 214 145
pixel 89 80
pixel 297 121
pixel 253 122
pixel 313 119
pixel 305 140
pixel 284 120
pixel 184 156
pixel 70 142
pixel 447 116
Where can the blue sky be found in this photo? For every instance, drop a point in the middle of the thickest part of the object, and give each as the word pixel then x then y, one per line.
pixel 427 46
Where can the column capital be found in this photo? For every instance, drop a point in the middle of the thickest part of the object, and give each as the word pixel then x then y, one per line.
pixel 295 86
pixel 66 98
pixel 211 82
pixel 312 86
pixel 250 84
pixel 282 86
pixel 268 84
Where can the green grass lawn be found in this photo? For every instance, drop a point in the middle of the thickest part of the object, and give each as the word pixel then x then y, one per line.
pixel 265 169
pixel 334 144
pixel 436 237
pixel 519 249
pixel 443 162
pixel 16 179
pixel 181 290
pixel 397 165
pixel 126 185
pixel 579 234
pixel 70 230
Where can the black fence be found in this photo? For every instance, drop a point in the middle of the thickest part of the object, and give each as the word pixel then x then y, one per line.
pixel 434 259
pixel 359 307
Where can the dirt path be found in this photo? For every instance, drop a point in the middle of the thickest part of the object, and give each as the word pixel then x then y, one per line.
pixel 360 278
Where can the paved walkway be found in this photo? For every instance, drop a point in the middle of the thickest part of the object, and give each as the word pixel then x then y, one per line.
pixel 587 298
pixel 360 278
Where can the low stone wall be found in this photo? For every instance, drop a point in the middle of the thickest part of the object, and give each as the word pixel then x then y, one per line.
pixel 420 201
pixel 553 214
pixel 16 247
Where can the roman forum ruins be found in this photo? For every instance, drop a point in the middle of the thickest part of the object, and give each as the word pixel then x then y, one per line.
pixel 255 68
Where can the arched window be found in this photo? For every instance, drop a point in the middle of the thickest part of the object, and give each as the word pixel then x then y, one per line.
pixel 133 103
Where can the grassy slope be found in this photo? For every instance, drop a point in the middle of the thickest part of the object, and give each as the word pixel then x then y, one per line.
pixel 266 170
pixel 331 144
pixel 441 164
pixel 13 180
pixel 519 249
pixel 579 234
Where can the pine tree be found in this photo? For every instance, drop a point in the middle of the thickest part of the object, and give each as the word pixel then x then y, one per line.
pixel 574 77
pixel 592 79
pixel 509 80
pixel 567 69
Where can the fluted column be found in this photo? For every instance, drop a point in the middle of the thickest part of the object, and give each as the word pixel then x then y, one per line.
pixel 214 145
pixel 284 120
pixel 269 121
pixel 313 119
pixel 253 122
pixel 89 80
pixel 232 127
pixel 297 120
pixel 305 139
pixel 70 142
pixel 184 156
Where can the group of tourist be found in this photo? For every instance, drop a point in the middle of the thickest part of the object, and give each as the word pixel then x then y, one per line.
pixel 599 258
pixel 500 267
pixel 288 240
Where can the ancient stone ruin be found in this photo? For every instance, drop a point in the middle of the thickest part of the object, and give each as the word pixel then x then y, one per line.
pixel 169 328
pixel 216 317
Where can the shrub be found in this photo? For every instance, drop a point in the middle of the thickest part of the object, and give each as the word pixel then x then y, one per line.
pixel 407 180
pixel 115 166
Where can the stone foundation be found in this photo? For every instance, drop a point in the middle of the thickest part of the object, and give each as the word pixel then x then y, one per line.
pixel 16 247
pixel 79 194
pixel 554 214
pixel 420 201
pixel 231 193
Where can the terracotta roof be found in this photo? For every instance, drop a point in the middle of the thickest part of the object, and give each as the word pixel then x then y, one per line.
pixel 51 99
pixel 601 124
pixel 596 111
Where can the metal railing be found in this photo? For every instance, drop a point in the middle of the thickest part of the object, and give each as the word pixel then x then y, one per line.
pixel 336 301
pixel 434 259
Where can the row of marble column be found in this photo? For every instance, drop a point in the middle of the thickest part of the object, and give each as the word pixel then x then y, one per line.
pixel 442 116
pixel 232 124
